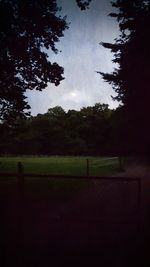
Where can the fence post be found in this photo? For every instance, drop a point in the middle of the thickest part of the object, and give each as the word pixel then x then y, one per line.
pixel 140 209
pixel 87 167
pixel 120 164
pixel 20 230
pixel 20 180
pixel 139 195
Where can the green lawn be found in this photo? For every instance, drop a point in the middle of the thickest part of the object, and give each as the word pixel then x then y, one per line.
pixel 53 189
pixel 61 165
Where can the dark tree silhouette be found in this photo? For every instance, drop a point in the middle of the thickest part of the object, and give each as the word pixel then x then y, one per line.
pixel 27 29
pixel 83 4
pixel 131 79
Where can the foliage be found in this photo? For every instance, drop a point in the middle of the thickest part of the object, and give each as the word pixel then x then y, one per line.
pixel 131 77
pixel 83 4
pixel 90 131
pixel 27 29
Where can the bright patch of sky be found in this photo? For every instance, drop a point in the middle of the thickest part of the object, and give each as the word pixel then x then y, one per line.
pixel 81 57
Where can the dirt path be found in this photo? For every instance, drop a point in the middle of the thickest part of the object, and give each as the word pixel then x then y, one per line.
pixel 136 169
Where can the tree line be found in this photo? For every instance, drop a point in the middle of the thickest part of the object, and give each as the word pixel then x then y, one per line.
pixel 94 130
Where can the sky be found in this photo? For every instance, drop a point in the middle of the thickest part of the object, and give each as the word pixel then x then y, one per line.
pixel 81 56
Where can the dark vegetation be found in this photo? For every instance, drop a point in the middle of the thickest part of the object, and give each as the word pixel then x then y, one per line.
pixel 130 79
pixel 28 29
pixel 90 131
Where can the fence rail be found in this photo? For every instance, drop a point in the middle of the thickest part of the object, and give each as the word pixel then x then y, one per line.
pixel 20 175
pixel 59 176
pixel 20 179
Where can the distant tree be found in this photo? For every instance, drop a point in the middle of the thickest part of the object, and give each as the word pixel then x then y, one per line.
pixel 94 128
pixel 131 78
pixel 88 131
pixel 56 112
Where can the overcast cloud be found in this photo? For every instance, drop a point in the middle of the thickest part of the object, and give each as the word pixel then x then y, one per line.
pixel 81 57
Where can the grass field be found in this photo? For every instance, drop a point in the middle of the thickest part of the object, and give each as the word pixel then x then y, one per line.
pixel 54 189
pixel 61 165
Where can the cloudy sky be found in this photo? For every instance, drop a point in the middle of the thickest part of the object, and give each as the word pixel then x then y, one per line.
pixel 81 57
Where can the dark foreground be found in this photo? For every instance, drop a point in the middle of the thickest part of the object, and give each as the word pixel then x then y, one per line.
pixel 100 226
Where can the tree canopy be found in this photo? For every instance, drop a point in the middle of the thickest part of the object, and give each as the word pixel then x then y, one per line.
pixel 131 78
pixel 28 29
pixel 89 131
pixel 83 4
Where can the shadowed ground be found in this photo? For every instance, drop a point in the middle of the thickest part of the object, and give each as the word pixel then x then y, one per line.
pixel 99 225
